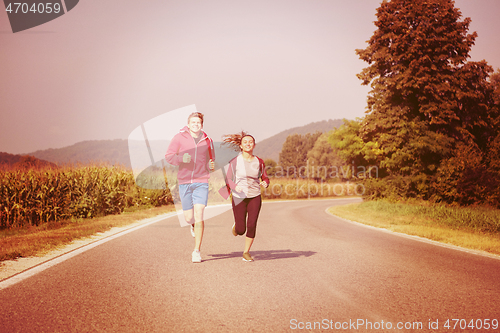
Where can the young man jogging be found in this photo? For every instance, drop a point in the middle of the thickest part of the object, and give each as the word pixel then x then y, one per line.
pixel 193 151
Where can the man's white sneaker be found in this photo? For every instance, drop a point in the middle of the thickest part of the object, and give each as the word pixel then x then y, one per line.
pixel 196 256
pixel 192 230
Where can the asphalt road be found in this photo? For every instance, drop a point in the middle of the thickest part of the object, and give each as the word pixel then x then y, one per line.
pixel 312 272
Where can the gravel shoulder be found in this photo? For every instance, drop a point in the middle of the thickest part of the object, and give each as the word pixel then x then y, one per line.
pixel 10 268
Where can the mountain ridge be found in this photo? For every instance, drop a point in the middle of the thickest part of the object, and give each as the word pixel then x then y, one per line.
pixel 116 152
pixel 271 147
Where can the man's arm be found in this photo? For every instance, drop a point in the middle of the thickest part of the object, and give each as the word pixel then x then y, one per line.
pixel 211 155
pixel 172 156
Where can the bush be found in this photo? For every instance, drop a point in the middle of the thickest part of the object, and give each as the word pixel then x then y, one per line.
pixel 395 188
pixel 465 179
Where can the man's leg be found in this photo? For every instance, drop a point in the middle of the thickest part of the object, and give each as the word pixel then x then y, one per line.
pixel 199 225
pixel 186 196
pixel 188 216
pixel 200 196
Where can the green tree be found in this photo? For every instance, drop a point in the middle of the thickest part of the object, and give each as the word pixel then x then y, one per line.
pixel 270 167
pixel 492 159
pixel 293 155
pixel 495 83
pixel 350 146
pixel 426 99
pixel 322 159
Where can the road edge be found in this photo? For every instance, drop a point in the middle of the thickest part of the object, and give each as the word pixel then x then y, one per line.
pixel 421 239
pixel 74 248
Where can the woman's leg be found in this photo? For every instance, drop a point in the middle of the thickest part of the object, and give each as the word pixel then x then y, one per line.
pixel 248 244
pixel 253 209
pixel 240 214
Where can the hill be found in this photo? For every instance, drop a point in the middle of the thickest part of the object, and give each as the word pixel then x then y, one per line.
pixel 114 152
pixel 271 147
pixel 8 161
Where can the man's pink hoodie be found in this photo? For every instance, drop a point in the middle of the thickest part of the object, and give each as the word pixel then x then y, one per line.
pixel 196 171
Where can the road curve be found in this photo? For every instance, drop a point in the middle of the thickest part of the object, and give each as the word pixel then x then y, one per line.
pixel 312 272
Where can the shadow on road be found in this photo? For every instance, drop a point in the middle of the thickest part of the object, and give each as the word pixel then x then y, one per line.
pixel 264 255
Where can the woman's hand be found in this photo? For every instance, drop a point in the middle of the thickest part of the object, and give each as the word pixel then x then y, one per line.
pixel 263 183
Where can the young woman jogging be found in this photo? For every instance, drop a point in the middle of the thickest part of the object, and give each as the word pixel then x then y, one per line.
pixel 245 175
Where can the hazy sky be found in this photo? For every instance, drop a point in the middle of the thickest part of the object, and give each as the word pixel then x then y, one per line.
pixel 105 67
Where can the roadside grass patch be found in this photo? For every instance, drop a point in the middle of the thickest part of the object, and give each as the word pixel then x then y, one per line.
pixel 38 240
pixel 475 228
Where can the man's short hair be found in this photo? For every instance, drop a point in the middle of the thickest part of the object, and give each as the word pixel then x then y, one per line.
pixel 196 115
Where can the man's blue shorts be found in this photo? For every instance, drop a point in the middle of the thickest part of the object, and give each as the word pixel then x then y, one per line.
pixel 192 194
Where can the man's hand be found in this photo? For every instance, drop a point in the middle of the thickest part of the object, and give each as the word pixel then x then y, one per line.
pixel 211 165
pixel 186 158
pixel 263 183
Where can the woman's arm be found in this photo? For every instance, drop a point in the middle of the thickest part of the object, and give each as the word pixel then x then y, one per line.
pixel 230 175
pixel 264 178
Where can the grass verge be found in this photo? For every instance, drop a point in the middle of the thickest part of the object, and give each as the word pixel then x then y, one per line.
pixel 469 227
pixel 35 241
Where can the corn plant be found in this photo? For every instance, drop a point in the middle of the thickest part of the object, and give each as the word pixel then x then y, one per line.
pixel 32 197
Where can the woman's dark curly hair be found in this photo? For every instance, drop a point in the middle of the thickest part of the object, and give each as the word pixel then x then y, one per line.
pixel 234 140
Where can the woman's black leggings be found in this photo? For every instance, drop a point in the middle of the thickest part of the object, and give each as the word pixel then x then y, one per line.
pixel 242 208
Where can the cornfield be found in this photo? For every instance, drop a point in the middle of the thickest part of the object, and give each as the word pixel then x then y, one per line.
pixel 32 197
